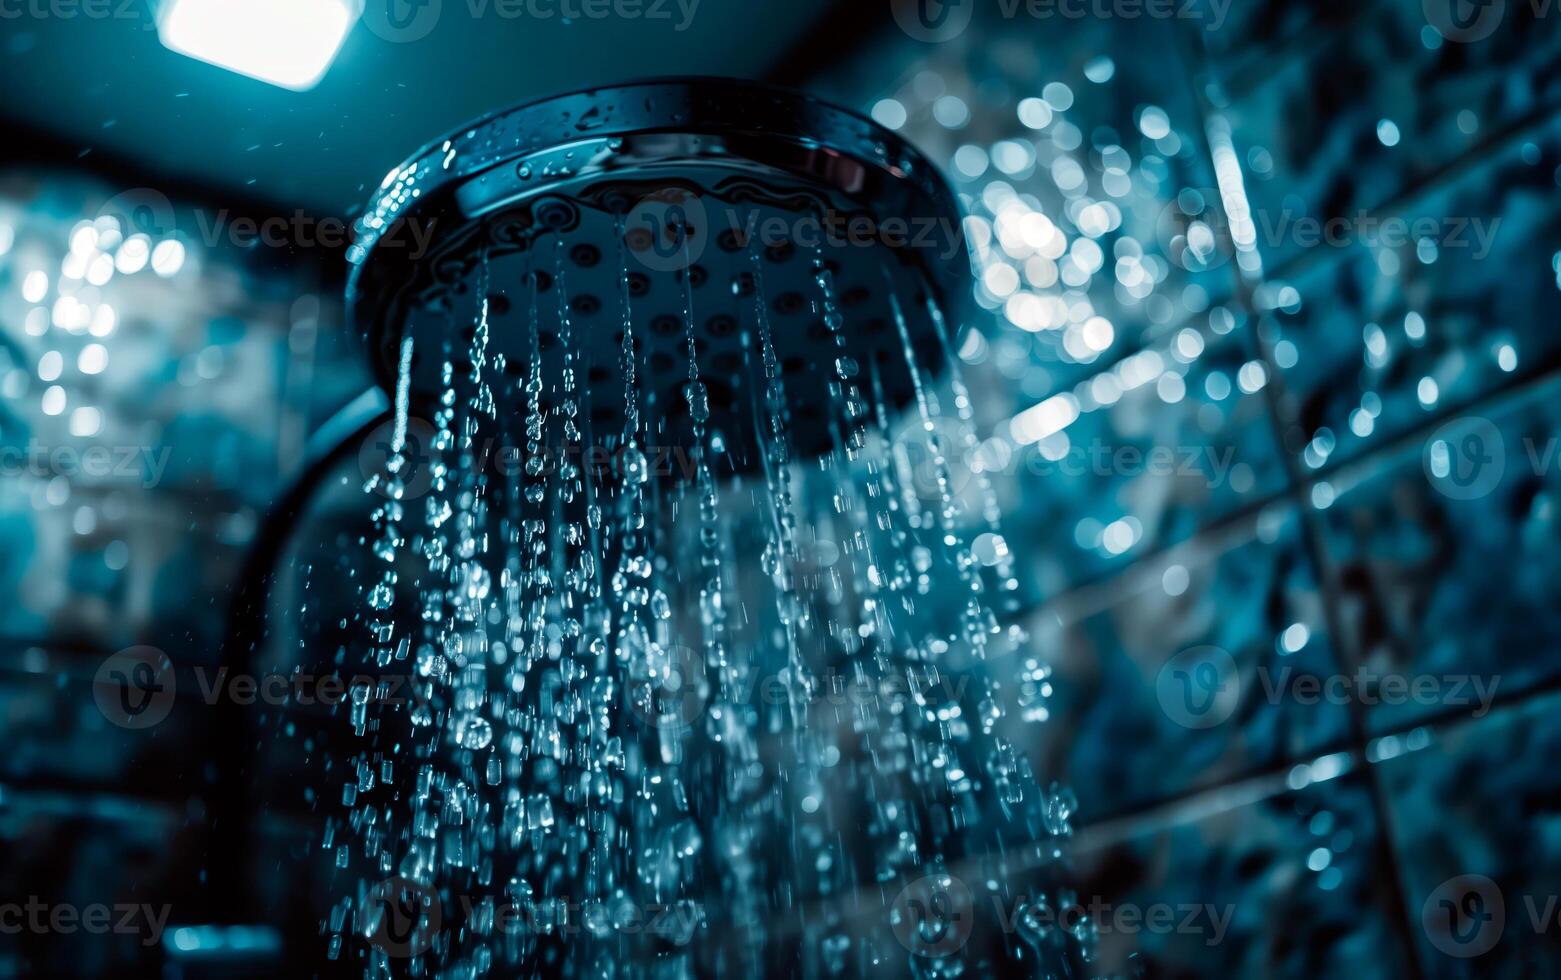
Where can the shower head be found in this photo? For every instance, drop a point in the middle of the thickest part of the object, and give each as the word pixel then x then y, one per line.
pixel 726 199
pixel 626 689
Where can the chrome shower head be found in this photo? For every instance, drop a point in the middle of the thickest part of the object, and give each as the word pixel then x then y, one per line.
pixel 716 198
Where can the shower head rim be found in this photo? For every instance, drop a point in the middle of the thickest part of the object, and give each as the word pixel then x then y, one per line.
pixel 871 144
pixel 537 172
pixel 790 91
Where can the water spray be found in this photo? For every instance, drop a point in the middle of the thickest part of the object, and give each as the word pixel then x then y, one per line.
pixel 674 535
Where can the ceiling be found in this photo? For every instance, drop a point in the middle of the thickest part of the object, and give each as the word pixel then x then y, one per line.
pixel 106 85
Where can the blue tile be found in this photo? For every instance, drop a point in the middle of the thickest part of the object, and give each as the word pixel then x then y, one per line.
pixel 1132 721
pixel 1450 577
pixel 1144 468
pixel 1375 342
pixel 1475 812
pixel 1256 32
pixel 1291 864
pixel 1333 129
pixel 1059 135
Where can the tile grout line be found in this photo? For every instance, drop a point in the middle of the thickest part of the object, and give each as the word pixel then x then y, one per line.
pixel 1163 810
pixel 1315 543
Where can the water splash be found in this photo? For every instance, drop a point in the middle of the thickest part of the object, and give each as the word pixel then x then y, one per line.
pixel 664 724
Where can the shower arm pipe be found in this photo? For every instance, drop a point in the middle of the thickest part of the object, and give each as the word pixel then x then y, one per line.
pixel 233 816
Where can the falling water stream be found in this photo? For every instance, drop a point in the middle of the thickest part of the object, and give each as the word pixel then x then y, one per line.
pixel 691 725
